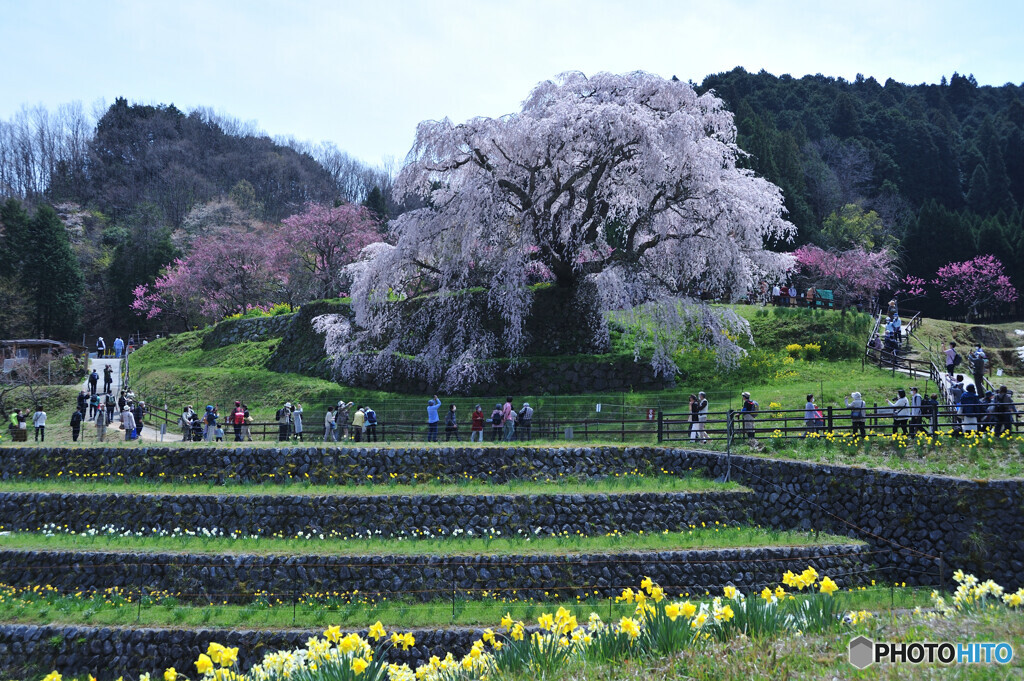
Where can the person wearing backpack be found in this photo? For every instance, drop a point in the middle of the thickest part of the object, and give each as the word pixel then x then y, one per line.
pixel 1002 404
pixel 370 424
pixel 284 419
pixel 953 358
pixel 858 415
pixel 76 424
pixel 238 420
pixel 749 412
pixel 496 417
pixel 525 421
pixel 900 411
pixel 969 408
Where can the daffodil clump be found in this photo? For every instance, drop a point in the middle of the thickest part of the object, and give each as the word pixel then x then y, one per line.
pixel 974 595
pixel 942 438
pixel 659 624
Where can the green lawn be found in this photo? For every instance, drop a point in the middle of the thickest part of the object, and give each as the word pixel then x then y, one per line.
pixel 712 537
pixel 631 483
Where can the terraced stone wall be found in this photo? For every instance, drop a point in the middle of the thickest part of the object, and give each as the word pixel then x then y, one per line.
pixel 432 577
pixel 28 651
pixel 388 515
pixel 912 519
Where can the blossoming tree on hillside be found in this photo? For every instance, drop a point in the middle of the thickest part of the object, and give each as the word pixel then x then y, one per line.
pixel 851 275
pixel 324 240
pixel 620 188
pixel 975 283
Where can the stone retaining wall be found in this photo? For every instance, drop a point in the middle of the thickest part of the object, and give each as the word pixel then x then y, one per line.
pixel 344 464
pixel 388 515
pixel 247 330
pixel 28 651
pixel 202 578
pixel 973 525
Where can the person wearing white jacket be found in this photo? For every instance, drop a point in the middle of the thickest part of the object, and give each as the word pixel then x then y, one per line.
pixel 39 421
pixel 900 412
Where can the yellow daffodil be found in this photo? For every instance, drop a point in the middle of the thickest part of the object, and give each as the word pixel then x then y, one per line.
pixel 170 674
pixel 359 666
pixel 377 631
pixel 204 664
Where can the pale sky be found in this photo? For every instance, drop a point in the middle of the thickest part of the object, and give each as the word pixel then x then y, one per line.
pixel 362 73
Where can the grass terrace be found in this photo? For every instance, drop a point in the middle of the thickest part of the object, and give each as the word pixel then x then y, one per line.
pixel 414 542
pixel 116 607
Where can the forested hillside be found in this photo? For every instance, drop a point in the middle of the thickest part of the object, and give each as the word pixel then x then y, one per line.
pixel 942 165
pixel 933 173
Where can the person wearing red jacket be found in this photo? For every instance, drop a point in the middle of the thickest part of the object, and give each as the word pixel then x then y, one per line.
pixel 476 431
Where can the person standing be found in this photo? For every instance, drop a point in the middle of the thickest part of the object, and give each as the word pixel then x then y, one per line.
pixel 969 408
pixel 359 421
pixel 101 347
pixel 1002 407
pixel 101 425
pixel 297 421
pixel 138 412
pixel 476 428
pixel 432 406
pixel 118 347
pixel 702 417
pixel 776 294
pixel 858 415
pixel 749 412
pixel 496 423
pixel 930 412
pixel 978 360
pixel 39 422
pixel 916 404
pixel 525 422
pixel 185 423
pixel 900 411
pixel 94 406
pixel 342 418
pixel 94 378
pixel 284 419
pixel 810 416
pixel 108 379
pixel 330 429
pixel 76 424
pixel 238 420
pixel 111 403
pixel 952 357
pixel 128 422
pixel 370 425
pixel 246 423
pixel 508 421
pixel 451 424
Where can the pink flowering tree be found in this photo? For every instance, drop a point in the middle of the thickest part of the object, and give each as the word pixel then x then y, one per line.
pixel 626 191
pixel 975 284
pixel 323 241
pixel 851 275
pixel 224 272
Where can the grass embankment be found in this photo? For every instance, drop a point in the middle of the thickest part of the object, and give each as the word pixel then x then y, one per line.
pixel 630 483
pixel 981 458
pixel 122 608
pixel 418 542
pixel 1000 342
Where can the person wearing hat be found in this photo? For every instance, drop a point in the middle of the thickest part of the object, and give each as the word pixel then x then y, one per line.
pixel 342 418
pixel 749 409
pixel 858 415
pixel 101 347
pixel 525 421
pixel 284 419
pixel 185 422
pixel 128 423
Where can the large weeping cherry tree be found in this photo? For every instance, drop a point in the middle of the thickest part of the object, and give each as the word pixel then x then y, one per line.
pixel 621 190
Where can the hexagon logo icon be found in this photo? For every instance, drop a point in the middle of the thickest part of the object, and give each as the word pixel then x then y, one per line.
pixel 862 652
